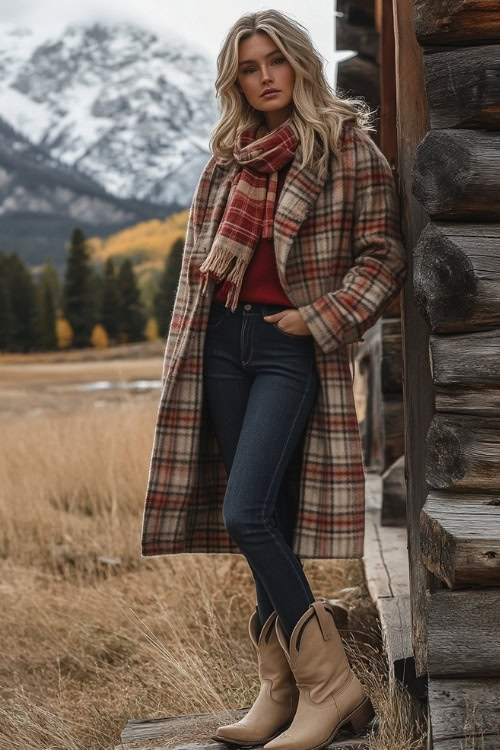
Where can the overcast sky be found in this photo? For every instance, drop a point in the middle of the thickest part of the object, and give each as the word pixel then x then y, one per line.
pixel 202 22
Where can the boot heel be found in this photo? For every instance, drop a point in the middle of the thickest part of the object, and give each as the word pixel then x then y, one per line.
pixel 362 716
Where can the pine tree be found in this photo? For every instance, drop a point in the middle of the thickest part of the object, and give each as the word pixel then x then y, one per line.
pixel 132 318
pixel 6 322
pixel 78 297
pixel 47 291
pixel 165 297
pixel 51 276
pixel 25 331
pixel 110 305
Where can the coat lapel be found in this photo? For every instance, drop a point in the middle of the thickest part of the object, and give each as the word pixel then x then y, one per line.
pixel 299 193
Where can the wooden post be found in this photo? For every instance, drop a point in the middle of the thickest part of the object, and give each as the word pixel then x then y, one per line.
pixel 412 125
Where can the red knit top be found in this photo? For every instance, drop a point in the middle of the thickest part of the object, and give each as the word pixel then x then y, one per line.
pixel 261 281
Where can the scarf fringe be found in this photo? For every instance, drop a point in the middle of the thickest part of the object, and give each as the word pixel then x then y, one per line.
pixel 217 261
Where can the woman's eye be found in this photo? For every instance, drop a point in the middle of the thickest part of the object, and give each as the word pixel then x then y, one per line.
pixel 275 60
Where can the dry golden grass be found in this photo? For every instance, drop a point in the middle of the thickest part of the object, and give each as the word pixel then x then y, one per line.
pixel 93 634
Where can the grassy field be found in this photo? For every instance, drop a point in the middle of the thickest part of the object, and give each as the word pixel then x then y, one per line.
pixel 92 634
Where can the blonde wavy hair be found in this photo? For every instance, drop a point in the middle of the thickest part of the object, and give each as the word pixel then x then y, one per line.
pixel 318 113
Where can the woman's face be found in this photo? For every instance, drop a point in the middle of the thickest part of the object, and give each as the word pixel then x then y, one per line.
pixel 261 66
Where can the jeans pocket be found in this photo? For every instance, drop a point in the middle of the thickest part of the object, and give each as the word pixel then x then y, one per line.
pixel 305 336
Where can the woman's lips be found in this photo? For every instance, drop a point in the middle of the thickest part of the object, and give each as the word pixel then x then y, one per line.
pixel 270 93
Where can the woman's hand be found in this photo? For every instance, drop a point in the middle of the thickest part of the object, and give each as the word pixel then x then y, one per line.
pixel 292 322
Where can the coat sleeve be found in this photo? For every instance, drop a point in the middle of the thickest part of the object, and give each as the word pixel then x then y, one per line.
pixel 379 269
pixel 182 291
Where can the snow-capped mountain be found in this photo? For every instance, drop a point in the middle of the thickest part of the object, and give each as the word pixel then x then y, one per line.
pixel 130 110
pixel 42 200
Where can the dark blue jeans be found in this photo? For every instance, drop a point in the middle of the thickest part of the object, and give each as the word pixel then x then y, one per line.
pixel 260 384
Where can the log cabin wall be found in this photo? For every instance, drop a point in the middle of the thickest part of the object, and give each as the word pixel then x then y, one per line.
pixel 456 287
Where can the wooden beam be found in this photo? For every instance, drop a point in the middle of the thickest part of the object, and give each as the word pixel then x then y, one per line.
pixel 457 276
pixel 460 542
pixel 463 87
pixel 456 175
pixel 463 451
pixel 387 126
pixel 463 633
pixel 457 22
pixel 412 125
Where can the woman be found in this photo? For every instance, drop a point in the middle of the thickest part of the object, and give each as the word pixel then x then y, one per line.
pixel 292 251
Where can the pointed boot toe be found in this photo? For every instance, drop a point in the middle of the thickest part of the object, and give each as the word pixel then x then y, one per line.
pixel 330 694
pixel 276 702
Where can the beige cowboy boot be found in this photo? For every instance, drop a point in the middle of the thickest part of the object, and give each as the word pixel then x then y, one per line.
pixel 330 694
pixel 277 700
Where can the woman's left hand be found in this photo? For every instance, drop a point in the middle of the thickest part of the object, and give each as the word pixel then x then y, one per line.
pixel 293 321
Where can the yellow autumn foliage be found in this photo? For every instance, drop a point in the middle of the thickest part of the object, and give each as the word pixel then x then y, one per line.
pixel 64 333
pixel 151 330
pixel 99 338
pixel 150 240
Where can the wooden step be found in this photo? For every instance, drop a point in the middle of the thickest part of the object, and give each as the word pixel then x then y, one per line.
pixel 387 577
pixel 193 733
pixel 460 540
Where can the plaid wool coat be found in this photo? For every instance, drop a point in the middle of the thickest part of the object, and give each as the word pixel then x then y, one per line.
pixel 340 261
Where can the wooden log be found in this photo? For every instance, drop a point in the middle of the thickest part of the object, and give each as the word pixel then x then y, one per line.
pixel 466 373
pixel 463 451
pixel 457 276
pixel 413 123
pixel 474 400
pixel 393 511
pixel 456 175
pixel 466 360
pixel 463 87
pixel 463 633
pixel 465 713
pixel 465 498
pixel 460 542
pixel 487 743
pixel 456 22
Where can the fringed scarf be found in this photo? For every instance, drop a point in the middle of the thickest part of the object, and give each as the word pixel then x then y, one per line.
pixel 249 211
